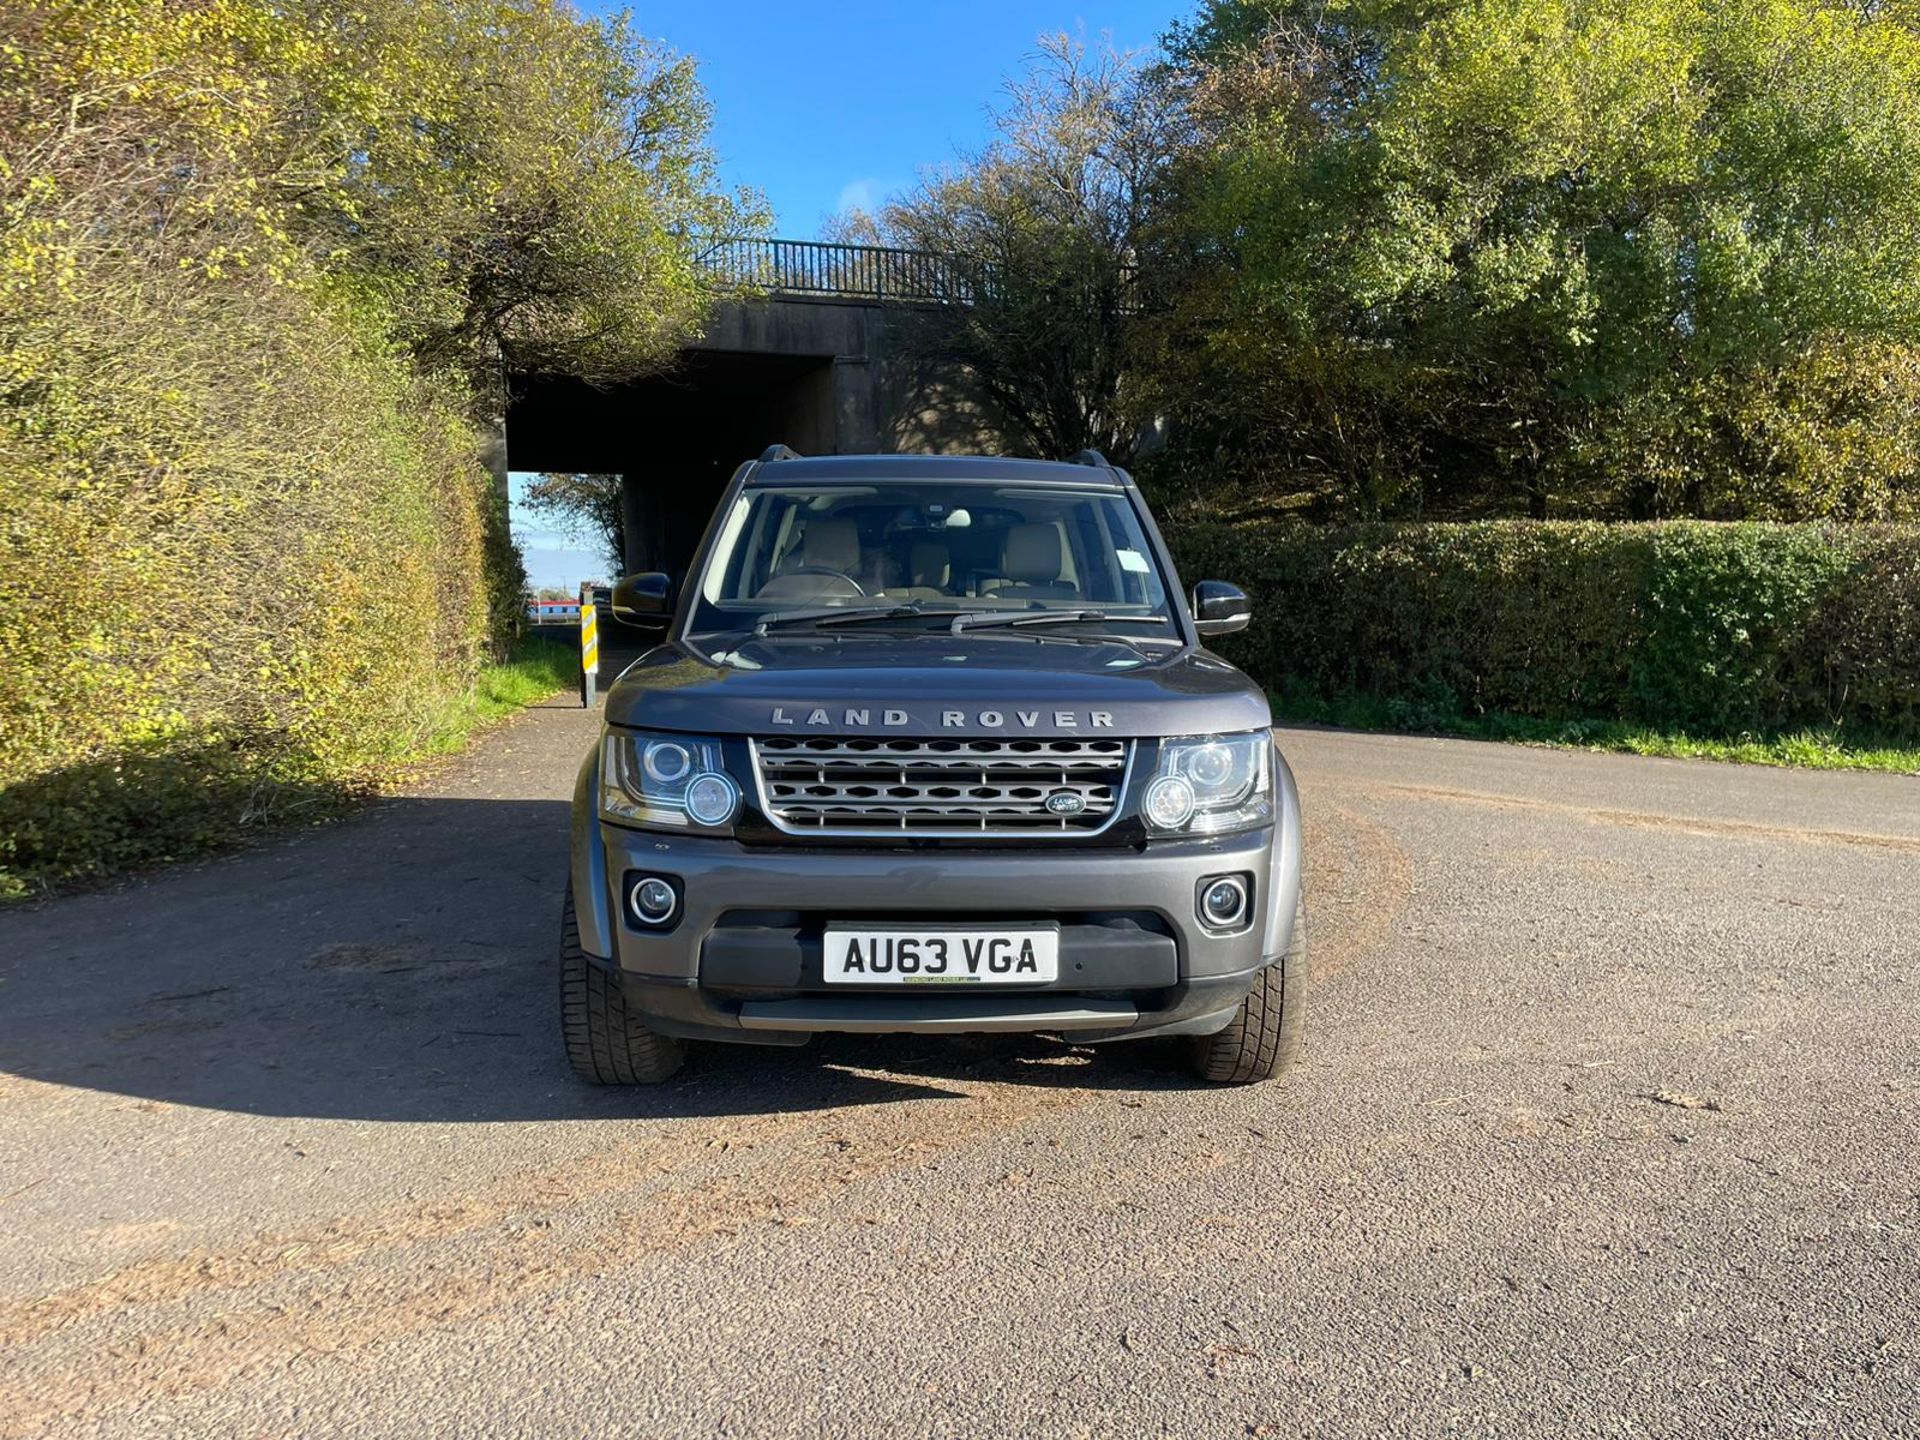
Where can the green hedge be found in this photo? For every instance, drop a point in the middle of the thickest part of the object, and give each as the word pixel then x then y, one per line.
pixel 242 575
pixel 1715 629
pixel 263 267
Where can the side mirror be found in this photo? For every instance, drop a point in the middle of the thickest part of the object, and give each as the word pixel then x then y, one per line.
pixel 645 600
pixel 1220 608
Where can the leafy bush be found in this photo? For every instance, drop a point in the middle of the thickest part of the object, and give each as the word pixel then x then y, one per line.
pixel 1715 629
pixel 244 562
pixel 262 265
pixel 1634 258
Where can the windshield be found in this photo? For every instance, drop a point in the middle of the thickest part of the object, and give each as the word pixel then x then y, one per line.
pixel 810 552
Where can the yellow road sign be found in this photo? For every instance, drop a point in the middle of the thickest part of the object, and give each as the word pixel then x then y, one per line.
pixel 589 641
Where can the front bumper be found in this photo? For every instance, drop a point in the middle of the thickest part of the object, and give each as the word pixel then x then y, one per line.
pixel 742 960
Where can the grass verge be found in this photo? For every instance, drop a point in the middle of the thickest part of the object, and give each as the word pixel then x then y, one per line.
pixel 536 669
pixel 1801 749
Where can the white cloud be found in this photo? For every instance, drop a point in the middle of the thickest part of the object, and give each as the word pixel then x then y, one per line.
pixel 867 193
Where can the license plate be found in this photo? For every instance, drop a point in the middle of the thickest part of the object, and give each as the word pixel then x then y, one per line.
pixel 941 957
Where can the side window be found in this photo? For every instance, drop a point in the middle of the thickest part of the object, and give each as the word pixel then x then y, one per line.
pixel 1092 555
pixel 1131 565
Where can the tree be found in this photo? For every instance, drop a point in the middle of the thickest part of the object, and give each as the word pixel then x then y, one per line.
pixel 1607 256
pixel 1039 229
pixel 521 184
pixel 584 505
pixel 486 180
pixel 263 264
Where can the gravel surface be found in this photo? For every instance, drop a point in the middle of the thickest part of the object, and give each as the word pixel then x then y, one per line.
pixel 1607 1126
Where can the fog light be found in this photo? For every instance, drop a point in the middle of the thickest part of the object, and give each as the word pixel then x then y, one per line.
pixel 712 798
pixel 653 900
pixel 1224 902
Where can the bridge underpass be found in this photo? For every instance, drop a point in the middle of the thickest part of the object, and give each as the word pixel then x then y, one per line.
pixel 806 365
pixel 674 439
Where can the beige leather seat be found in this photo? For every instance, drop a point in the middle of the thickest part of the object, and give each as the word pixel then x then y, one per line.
pixel 831 546
pixel 929 570
pixel 1030 560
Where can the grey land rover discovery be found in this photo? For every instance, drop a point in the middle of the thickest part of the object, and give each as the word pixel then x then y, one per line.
pixel 932 744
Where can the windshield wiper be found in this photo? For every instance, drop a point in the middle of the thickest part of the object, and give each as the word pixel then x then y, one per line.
pixel 991 619
pixel 849 615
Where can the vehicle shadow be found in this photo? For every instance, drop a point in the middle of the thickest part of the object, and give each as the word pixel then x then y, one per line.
pixel 401 967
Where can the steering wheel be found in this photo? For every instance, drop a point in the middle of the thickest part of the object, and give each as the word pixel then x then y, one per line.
pixel 825 570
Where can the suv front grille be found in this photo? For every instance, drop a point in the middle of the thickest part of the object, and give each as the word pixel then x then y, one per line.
pixel 940 788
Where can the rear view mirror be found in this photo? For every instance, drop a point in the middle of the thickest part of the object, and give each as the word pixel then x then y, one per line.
pixel 645 600
pixel 1220 608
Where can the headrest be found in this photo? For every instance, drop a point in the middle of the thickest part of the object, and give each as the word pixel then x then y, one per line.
pixel 831 545
pixel 1032 554
pixel 929 563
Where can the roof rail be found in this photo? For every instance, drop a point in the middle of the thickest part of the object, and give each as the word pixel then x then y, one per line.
pixel 778 452
pixel 1089 457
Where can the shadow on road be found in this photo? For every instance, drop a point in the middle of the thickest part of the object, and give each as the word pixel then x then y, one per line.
pixel 401 967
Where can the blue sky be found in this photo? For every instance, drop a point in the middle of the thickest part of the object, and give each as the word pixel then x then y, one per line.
pixel 552 556
pixel 840 101
pixel 835 104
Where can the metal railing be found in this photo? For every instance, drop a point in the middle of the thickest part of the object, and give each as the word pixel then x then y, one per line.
pixel 860 272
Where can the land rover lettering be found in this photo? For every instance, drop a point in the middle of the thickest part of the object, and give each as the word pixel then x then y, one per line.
pixel 853 718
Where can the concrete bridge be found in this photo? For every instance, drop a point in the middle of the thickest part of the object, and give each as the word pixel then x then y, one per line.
pixel 805 362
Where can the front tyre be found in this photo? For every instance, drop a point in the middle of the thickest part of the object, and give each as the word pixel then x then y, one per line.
pixel 606 1042
pixel 1264 1036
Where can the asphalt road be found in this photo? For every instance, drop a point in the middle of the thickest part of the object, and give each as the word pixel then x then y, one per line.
pixel 1607 1126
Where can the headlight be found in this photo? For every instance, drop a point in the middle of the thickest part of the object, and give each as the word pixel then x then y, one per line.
pixel 676 781
pixel 1210 784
